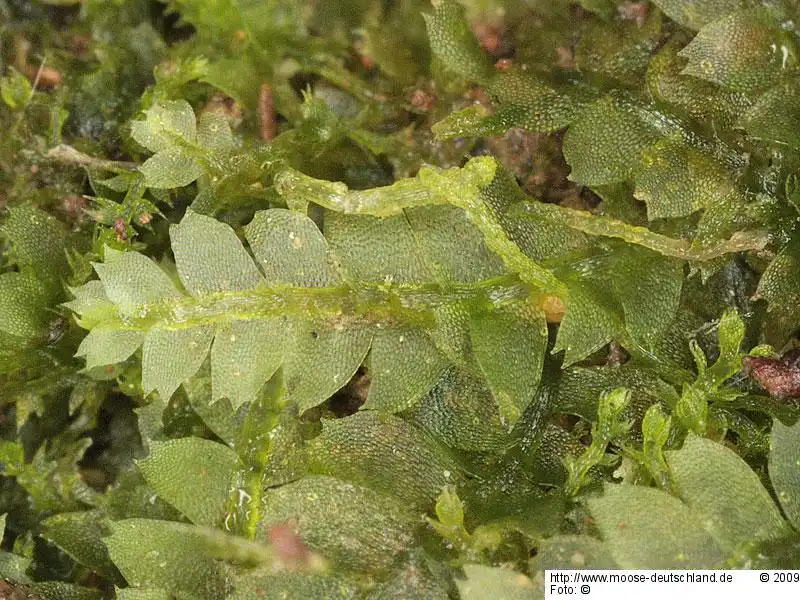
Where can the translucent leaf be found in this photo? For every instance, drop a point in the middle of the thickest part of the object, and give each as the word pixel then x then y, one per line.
pixel 528 102
pixel 91 303
pixel 572 552
pixel 213 132
pixel 355 527
pixel 373 249
pixel 404 365
pixel 244 356
pixel 288 585
pixel 109 345
pixel 413 580
pixel 620 50
pixel 784 468
pixel 778 286
pixel 648 287
pixel 453 43
pixel 742 51
pixel 461 412
pixel 592 321
pixel 676 180
pixel 388 455
pixel 290 249
pixel 695 15
pixel 80 535
pixel 775 116
pixel 162 368
pixel 696 98
pixel 606 142
pixel 645 528
pixel 163 554
pixel 453 247
pixel 22 303
pixel 490 583
pixel 725 492
pixel 510 347
pixel 170 168
pixel 132 280
pixel 38 242
pixel 165 123
pixel 209 256
pixel 193 475
pixel 60 590
pixel 143 594
pixel 322 358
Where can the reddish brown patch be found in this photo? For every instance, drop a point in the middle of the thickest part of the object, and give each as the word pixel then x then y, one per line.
pixel 121 230
pixel 780 377
pixel 289 546
pixel 422 100
pixel 488 36
pixel 564 58
pixel 504 64
pixel 633 11
pixel 73 206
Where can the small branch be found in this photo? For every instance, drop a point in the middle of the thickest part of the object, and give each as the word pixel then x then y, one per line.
pixel 68 155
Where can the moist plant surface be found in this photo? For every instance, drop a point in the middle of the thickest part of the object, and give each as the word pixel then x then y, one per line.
pixel 397 299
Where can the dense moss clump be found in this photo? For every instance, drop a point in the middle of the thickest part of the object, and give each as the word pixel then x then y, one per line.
pixel 396 299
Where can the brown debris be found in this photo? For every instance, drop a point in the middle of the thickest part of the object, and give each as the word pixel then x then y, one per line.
pixel 565 59
pixel 780 377
pixel 267 118
pixel 633 11
pixel 73 205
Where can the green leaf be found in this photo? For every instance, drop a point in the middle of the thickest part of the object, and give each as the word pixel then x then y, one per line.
pixel 109 345
pixel 290 249
pixel 775 115
pixel 321 359
pixel 572 552
pixel 162 369
pixel 132 280
pixel 387 454
pixel 404 366
pixel 292 585
pixel 510 347
pixel 461 413
pixel 164 124
pixel 210 258
pixel 592 321
pixel 784 468
pixel 676 180
pixel 355 527
pixel 725 492
pixel 778 287
pixel 742 51
pixel 453 43
pixel 80 535
pixel 244 356
pixel 648 287
pixel 170 168
pixel 489 583
pixel 695 15
pixel 606 142
pixel 163 554
pixel 192 474
pixel 645 528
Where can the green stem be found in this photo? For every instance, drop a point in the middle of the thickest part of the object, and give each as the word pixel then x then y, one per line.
pixel 641 236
